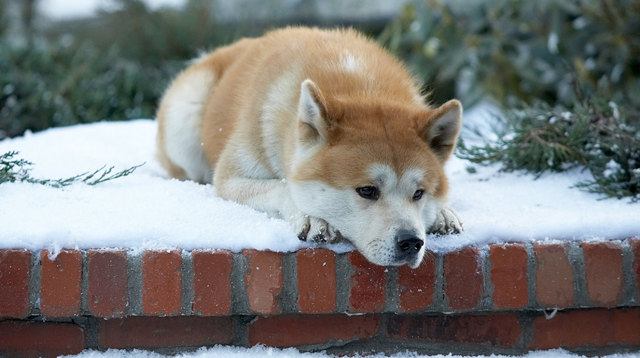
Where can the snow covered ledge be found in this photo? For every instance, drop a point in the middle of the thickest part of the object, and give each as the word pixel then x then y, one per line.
pixel 506 298
pixel 476 299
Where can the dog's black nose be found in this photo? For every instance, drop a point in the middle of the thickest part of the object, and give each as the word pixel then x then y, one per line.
pixel 408 242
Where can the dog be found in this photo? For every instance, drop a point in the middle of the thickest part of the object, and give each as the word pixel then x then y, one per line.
pixel 322 128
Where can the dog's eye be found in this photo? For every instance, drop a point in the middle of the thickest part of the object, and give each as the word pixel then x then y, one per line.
pixel 368 192
pixel 418 195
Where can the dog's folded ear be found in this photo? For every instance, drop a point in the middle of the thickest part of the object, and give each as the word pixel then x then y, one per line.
pixel 312 113
pixel 440 128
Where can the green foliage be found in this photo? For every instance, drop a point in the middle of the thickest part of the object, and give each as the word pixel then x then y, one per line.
pixel 152 37
pixel 113 67
pixel 613 152
pixel 58 84
pixel 521 50
pixel 12 170
pixel 594 133
pixel 540 139
pixel 3 18
pixel 17 170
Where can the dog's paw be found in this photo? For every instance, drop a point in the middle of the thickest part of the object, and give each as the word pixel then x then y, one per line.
pixel 310 228
pixel 447 222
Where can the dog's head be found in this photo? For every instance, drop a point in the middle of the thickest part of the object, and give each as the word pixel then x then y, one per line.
pixel 373 170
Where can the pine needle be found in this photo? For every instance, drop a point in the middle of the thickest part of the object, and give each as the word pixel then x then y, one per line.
pixel 18 170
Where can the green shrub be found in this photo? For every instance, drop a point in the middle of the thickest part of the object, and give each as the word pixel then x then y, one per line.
pixel 521 50
pixel 151 37
pixel 3 18
pixel 113 67
pixel 58 84
pixel 595 133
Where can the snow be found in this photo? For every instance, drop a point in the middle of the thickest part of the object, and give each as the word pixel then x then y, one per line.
pixel 259 351
pixel 147 210
pixel 611 169
pixel 481 122
pixel 143 210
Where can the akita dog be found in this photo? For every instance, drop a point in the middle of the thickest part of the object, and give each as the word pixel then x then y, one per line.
pixel 323 129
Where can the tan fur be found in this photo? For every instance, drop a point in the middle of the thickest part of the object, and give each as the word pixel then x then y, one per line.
pixel 371 111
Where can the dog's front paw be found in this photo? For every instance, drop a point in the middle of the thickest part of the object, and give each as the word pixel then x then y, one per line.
pixel 310 228
pixel 447 222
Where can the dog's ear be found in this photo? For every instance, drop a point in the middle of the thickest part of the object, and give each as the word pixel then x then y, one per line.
pixel 440 128
pixel 312 113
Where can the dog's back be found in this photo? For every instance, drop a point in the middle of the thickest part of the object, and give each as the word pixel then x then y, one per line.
pixel 252 87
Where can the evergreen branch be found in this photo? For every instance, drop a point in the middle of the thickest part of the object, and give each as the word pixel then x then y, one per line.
pixel 595 134
pixel 17 170
pixel 105 175
pixel 12 170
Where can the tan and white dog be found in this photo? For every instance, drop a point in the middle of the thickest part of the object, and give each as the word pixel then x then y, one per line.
pixel 323 129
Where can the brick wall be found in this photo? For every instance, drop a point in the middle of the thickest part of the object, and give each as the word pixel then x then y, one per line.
pixel 498 298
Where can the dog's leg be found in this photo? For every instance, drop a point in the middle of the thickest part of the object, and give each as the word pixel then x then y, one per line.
pixel 233 181
pixel 274 198
pixel 447 222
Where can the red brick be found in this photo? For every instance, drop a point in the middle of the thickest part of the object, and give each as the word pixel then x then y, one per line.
pixel 603 272
pixel 497 330
pixel 107 286
pixel 316 280
pixel 164 332
pixel 626 328
pixel 35 339
pixel 367 285
pixel 264 280
pixel 588 329
pixel 554 275
pixel 635 248
pixel 161 282
pixel 573 329
pixel 509 275
pixel 417 285
pixel 211 282
pixel 60 283
pixel 15 267
pixel 463 278
pixel 294 331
